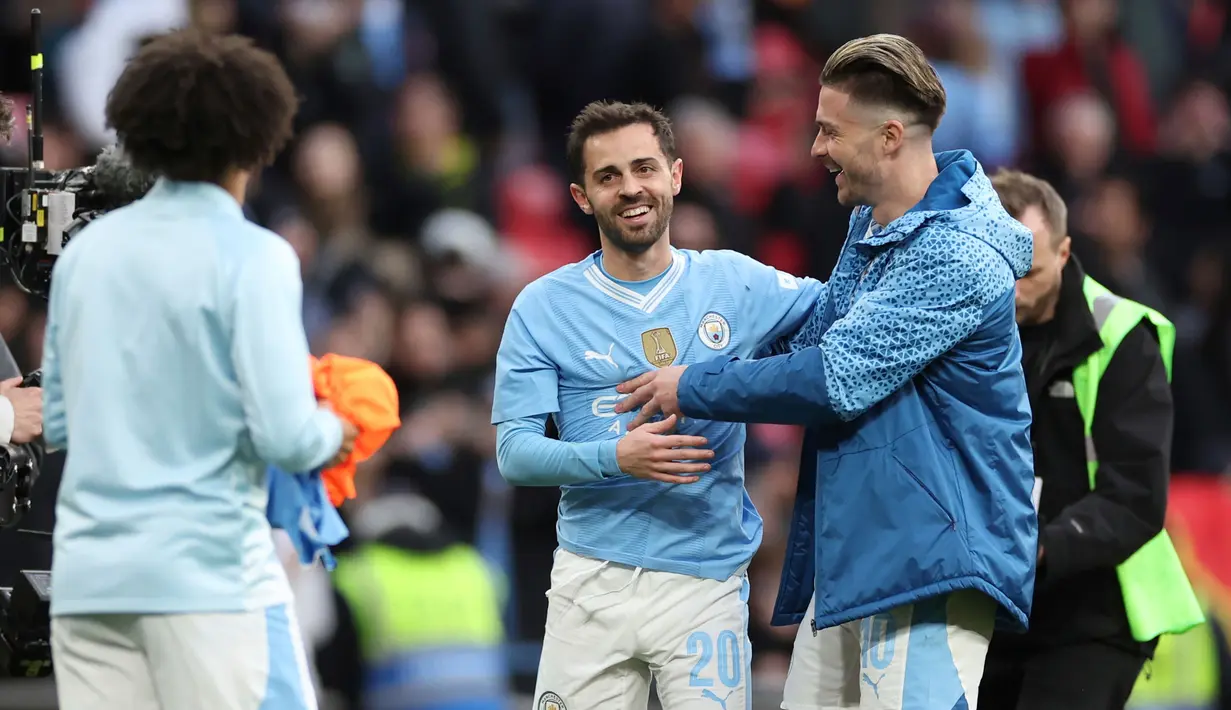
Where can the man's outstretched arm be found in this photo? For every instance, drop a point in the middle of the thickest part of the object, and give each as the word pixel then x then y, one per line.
pixel 931 298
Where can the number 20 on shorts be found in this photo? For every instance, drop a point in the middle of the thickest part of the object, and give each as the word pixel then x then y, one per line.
pixel 729 667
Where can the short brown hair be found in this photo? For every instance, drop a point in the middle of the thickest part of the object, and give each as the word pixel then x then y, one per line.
pixel 601 117
pixel 1020 191
pixel 194 106
pixel 888 70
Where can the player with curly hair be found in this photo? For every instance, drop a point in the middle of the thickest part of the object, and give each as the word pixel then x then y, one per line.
pixel 175 371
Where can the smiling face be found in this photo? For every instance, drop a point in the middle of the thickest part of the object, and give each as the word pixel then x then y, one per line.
pixel 850 145
pixel 879 103
pixel 629 186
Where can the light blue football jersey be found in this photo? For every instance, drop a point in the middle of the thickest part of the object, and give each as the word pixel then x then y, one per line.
pixel 576 333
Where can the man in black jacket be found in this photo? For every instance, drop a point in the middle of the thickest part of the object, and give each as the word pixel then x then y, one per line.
pixel 1080 651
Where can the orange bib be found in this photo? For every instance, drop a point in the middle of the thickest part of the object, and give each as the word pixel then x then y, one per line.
pixel 363 394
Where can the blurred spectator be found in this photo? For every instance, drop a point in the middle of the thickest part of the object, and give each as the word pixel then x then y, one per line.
pixel 693 227
pixel 1080 139
pixel 465 257
pixel 217 16
pixel 535 216
pixel 708 141
pixel 727 26
pixel 465 44
pixel 775 128
pixel 1191 185
pixel 430 163
pixel 1012 29
pixel 423 353
pixel 327 171
pixel 1113 232
pixel 578 52
pixel 980 116
pixel 1092 57
pixel 322 47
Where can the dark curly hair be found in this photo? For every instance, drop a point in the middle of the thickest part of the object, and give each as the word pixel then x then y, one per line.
pixel 193 106
pixel 601 117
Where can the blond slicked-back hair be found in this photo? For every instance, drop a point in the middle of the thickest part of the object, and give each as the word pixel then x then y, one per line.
pixel 887 70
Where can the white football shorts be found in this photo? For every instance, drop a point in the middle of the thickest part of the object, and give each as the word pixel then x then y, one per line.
pixel 923 656
pixel 242 661
pixel 611 628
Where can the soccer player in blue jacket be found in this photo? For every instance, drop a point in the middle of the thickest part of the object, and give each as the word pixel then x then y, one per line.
pixel 655 527
pixel 913 529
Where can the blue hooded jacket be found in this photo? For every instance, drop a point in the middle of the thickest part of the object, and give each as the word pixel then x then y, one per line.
pixel 917 468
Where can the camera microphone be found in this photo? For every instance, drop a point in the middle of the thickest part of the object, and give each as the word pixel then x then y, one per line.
pixel 116 180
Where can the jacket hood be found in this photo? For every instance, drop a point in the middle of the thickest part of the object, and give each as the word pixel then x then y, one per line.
pixel 962 197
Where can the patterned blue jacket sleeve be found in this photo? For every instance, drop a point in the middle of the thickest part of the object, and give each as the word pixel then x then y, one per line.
pixel 931 298
pixel 808 335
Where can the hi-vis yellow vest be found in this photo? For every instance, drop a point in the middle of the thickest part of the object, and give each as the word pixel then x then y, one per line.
pixel 1183 674
pixel 403 602
pixel 1157 595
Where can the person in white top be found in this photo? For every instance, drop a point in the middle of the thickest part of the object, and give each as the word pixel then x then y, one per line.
pixel 21 412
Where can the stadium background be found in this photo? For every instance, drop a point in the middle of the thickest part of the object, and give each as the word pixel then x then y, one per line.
pixel 426 186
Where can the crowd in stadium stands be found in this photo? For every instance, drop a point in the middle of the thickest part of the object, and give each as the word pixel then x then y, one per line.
pixel 425 185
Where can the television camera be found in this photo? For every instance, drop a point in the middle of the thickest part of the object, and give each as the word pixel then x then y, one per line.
pixel 41 209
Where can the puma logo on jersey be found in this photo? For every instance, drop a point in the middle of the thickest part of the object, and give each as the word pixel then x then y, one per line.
pixel 787 281
pixel 606 357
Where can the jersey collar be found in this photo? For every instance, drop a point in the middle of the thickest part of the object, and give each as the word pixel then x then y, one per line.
pixel 619 292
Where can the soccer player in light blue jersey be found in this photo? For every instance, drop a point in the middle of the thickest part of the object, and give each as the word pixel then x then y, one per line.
pixel 655 527
pixel 175 370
